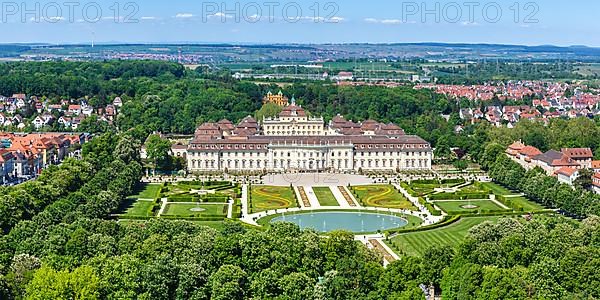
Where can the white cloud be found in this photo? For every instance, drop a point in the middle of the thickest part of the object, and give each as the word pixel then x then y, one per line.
pixel 47 19
pixel 336 20
pixel 387 21
pixel 148 18
pixel 391 21
pixel 184 15
pixel 220 15
pixel 467 23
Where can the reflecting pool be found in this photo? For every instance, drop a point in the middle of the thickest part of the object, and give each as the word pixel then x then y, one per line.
pixel 351 221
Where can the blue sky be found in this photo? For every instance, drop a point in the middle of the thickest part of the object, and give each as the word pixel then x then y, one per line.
pixel 550 22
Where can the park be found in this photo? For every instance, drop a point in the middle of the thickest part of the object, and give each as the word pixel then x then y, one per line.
pixel 392 216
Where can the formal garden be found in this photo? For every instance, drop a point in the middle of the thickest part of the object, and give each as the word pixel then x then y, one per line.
pixel 457 197
pixel 384 195
pixel 186 200
pixel 325 196
pixel 265 198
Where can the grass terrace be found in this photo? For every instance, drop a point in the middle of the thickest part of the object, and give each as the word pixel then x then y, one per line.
pixel 472 206
pixel 325 196
pixel 416 243
pixel 142 203
pixel 196 210
pixel 264 197
pixel 381 196
pixel 423 187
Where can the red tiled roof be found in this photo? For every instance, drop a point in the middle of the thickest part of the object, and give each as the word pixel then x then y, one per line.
pixel 293 110
pixel 578 153
pixel 530 151
pixel 518 145
pixel 566 171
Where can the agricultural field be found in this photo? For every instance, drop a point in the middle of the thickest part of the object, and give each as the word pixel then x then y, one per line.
pixel 264 197
pixel 325 196
pixel 381 196
pixel 415 243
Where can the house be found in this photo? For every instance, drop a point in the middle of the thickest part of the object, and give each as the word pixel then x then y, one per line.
pixel 118 102
pixel 596 165
pixel 567 175
pixel 6 165
pixel 514 148
pixel 596 182
pixel 582 156
pixel 74 109
pixel 87 110
pixel 2 118
pixel 179 150
pixel 38 122
pixel 528 153
pixel 20 103
pixel 64 121
pixel 553 160
pixel 345 76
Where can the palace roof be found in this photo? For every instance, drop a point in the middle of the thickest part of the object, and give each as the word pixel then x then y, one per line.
pixel 292 110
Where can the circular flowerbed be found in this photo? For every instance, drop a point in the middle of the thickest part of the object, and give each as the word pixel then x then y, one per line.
pixel 197 209
pixel 469 206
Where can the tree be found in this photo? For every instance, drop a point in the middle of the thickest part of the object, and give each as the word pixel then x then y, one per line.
pixel 435 260
pixel 229 283
pixel 268 110
pixel 584 179
pixel 158 150
pixel 47 283
pixel 442 148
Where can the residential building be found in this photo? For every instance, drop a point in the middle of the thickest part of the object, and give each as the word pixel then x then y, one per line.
pixel 567 175
pixel 582 156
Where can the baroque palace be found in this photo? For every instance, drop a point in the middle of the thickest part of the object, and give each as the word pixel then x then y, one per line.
pixel 293 141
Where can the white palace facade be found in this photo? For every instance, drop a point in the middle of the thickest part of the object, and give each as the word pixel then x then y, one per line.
pixel 293 141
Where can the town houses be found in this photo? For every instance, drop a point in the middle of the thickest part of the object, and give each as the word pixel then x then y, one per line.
pixel 294 141
pixel 26 155
pixel 565 164
pixel 20 113
pixel 546 100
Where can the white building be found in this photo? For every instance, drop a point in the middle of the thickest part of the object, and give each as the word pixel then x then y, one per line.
pixel 293 141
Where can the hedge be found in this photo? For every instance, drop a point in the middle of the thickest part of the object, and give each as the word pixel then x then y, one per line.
pixel 408 189
pixel 445 222
pixel 459 196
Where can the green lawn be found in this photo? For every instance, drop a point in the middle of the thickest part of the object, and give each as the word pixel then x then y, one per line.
pixel 415 243
pixel 148 191
pixel 383 195
pixel 140 208
pixel 185 210
pixel 456 206
pixel 325 196
pixel 497 189
pixel 471 189
pixel 264 197
pixel 527 204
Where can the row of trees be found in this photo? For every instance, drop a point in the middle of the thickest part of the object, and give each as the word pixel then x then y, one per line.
pixel 576 201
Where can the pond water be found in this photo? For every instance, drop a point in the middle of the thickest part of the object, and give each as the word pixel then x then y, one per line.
pixel 350 221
